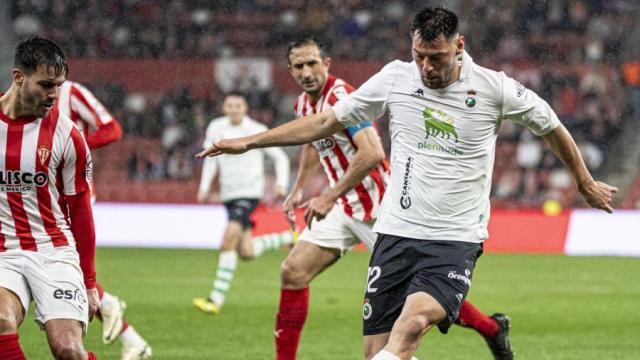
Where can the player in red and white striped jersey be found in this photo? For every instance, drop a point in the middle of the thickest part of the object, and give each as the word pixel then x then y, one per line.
pixel 100 128
pixel 353 160
pixel 336 153
pixel 47 237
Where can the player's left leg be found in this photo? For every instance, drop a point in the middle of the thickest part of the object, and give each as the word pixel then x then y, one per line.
pixel 419 314
pixel 115 326
pixel 253 247
pixel 494 329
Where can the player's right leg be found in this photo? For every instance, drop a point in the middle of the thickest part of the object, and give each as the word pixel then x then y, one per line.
pixel 11 316
pixel 412 286
pixel 304 262
pixel 14 301
pixel 227 264
pixel 317 249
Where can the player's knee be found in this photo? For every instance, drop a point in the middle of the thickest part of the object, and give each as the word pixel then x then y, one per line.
pixel 8 324
pixel 412 327
pixel 293 276
pixel 245 254
pixel 68 350
pixel 370 351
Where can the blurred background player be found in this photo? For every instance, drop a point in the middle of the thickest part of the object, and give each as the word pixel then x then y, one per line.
pixel 47 236
pixel 242 184
pixel 354 161
pixel 100 128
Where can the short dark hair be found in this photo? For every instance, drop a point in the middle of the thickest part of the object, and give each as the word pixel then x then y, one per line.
pixel 236 93
pixel 306 41
pixel 431 22
pixel 36 51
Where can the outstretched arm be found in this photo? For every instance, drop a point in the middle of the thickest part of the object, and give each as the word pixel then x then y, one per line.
pixel 596 193
pixel 296 132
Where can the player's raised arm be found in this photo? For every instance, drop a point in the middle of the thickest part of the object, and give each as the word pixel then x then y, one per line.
pixel 296 132
pixel 598 194
pixel 526 107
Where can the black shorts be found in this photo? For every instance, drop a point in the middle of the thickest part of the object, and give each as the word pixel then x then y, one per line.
pixel 401 266
pixel 240 210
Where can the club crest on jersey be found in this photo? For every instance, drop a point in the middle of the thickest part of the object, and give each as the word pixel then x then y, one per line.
pixel 441 126
pixel 43 153
pixel 470 101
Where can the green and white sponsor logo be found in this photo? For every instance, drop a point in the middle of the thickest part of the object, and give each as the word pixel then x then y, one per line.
pixel 438 124
pixel 442 127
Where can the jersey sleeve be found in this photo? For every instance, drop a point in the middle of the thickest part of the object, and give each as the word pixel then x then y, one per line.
pixel 369 101
pixel 525 107
pixel 87 106
pixel 340 93
pixel 210 135
pixel 77 169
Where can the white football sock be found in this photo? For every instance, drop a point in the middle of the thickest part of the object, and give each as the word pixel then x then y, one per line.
pixel 130 337
pixel 269 242
pixel 385 355
pixel 227 264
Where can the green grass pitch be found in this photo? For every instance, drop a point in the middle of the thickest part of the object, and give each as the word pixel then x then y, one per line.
pixel 561 308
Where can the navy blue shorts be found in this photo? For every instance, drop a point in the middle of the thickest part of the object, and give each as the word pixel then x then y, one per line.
pixel 401 266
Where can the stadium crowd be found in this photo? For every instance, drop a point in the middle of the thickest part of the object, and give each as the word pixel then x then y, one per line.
pixel 568 51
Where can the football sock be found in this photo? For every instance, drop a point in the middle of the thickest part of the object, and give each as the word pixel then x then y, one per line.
pixel 91 356
pixel 10 348
pixel 471 317
pixel 130 337
pixel 294 305
pixel 385 355
pixel 270 242
pixel 227 264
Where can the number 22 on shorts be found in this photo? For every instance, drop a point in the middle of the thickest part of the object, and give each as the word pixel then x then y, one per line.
pixel 374 274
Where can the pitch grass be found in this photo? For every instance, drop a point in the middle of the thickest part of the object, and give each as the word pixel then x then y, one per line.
pixel 561 307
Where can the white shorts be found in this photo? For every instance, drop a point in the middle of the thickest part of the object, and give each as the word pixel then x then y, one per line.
pixel 52 279
pixel 339 231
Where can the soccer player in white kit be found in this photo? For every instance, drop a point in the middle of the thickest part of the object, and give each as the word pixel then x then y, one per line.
pixel 354 162
pixel 445 112
pixel 47 237
pixel 242 185
pixel 100 128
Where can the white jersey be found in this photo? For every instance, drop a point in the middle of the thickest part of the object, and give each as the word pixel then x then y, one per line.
pixel 443 145
pixel 337 151
pixel 241 176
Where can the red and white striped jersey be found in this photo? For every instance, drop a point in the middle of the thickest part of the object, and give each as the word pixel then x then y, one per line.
pixel 337 151
pixel 79 104
pixel 40 161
